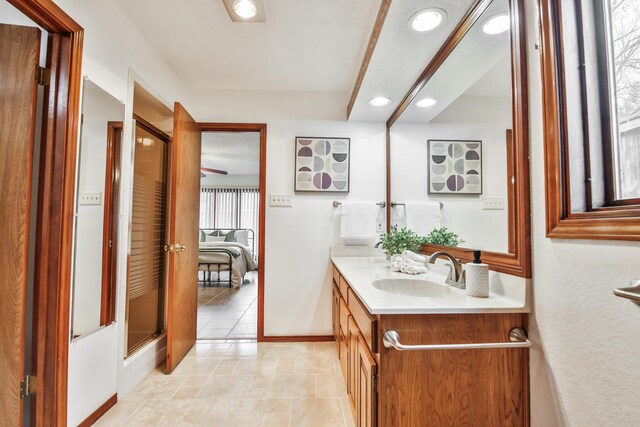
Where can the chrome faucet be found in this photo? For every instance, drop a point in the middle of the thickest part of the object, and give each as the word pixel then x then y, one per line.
pixel 456 275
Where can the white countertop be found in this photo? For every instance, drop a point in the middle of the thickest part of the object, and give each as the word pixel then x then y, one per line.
pixel 508 294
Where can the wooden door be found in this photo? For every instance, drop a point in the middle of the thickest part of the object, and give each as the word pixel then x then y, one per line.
pixel 366 400
pixel 183 220
pixel 19 54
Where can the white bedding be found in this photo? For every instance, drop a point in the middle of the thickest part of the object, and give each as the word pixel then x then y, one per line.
pixel 240 265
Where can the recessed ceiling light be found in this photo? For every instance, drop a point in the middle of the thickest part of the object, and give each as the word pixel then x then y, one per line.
pixel 245 8
pixel 426 20
pixel 497 24
pixel 426 102
pixel 379 101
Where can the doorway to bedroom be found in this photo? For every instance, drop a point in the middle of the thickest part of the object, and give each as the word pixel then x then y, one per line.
pixel 229 255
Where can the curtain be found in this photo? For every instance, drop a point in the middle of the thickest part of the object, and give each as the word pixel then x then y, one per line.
pixel 231 208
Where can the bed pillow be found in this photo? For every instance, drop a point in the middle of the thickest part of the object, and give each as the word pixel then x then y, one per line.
pixel 242 237
pixel 203 236
pixel 215 239
pixel 231 236
pixel 217 233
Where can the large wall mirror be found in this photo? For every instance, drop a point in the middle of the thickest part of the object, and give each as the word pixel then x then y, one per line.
pixel 94 266
pixel 458 150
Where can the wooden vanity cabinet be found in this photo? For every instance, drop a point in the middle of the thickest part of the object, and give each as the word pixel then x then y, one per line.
pixel 391 388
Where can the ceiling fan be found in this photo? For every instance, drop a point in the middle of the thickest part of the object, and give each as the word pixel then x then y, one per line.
pixel 218 171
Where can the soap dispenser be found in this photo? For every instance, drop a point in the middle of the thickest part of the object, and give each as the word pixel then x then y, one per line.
pixel 477 275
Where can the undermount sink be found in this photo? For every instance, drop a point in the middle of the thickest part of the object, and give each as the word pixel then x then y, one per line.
pixel 414 287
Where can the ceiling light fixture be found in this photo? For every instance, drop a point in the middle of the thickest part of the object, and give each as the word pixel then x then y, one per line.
pixel 426 20
pixel 496 24
pixel 379 101
pixel 426 102
pixel 245 9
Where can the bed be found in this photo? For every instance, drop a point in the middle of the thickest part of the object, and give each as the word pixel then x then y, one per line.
pixel 226 250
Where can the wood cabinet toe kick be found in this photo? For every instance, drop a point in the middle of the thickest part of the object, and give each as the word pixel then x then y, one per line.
pixel 389 388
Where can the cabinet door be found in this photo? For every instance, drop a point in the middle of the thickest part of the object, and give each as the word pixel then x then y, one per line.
pixel 366 399
pixel 343 355
pixel 352 338
pixel 335 315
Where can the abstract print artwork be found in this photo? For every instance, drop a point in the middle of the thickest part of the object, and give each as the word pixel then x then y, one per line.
pixel 455 167
pixel 322 165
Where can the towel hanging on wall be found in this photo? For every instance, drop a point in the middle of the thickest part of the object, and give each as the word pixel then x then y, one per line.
pixel 358 220
pixel 422 218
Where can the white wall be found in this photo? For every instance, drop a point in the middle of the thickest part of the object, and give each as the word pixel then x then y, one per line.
pixel 468 118
pixel 297 280
pixel 584 372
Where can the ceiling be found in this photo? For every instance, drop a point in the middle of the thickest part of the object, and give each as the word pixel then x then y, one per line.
pixel 401 55
pixel 310 45
pixel 235 152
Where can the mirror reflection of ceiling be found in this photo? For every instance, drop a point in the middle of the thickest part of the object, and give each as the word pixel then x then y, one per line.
pixel 238 153
pixel 479 66
pixel 151 109
pixel 401 55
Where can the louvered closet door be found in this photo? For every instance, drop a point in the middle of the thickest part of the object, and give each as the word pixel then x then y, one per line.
pixel 145 292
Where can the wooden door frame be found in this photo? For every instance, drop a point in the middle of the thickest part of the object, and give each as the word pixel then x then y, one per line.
pixel 262 129
pixel 110 224
pixel 55 209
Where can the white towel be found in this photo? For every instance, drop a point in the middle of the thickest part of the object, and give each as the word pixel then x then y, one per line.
pixel 422 218
pixel 417 270
pixel 358 220
pixel 398 217
pixel 414 256
pixel 395 266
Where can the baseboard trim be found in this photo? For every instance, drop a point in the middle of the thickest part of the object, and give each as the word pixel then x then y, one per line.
pixel 299 338
pixel 95 416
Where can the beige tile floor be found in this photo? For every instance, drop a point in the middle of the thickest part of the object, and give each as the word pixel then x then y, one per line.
pixel 225 313
pixel 242 384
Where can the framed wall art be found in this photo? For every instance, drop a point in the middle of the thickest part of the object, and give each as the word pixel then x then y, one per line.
pixel 322 165
pixel 455 167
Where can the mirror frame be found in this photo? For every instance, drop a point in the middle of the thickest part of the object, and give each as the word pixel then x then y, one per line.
pixel 518 261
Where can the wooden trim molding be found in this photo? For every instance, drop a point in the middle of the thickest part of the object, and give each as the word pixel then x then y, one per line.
pixel 609 223
pixel 299 338
pixel 56 199
pixel 95 415
pixel 518 260
pixel 262 129
pixel 371 47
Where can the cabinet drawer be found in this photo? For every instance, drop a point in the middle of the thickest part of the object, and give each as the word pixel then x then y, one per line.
pixel 344 288
pixel 336 274
pixel 366 322
pixel 344 316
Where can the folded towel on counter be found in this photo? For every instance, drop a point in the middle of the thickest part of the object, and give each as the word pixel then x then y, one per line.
pixel 395 266
pixel 417 270
pixel 358 220
pixel 411 263
pixel 414 256
pixel 422 218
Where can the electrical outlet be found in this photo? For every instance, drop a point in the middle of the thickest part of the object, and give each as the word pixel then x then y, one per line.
pixel 281 200
pixel 90 199
pixel 493 204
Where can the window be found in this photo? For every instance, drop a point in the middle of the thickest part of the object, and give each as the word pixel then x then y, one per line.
pixel 622 19
pixel 590 57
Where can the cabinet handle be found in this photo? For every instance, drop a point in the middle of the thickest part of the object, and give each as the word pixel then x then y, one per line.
pixel 517 337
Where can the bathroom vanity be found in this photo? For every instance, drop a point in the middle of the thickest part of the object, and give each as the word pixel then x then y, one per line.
pixel 484 384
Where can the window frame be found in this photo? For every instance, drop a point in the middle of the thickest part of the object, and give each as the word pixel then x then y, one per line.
pixel 618 221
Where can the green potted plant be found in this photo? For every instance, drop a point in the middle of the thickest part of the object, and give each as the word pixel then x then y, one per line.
pixel 397 241
pixel 443 237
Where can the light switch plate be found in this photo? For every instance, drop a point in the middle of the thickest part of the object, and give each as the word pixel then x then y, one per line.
pixel 493 204
pixel 90 199
pixel 280 200
pixel 380 228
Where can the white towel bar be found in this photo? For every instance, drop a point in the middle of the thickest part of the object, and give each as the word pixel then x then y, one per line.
pixel 394 204
pixel 337 204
